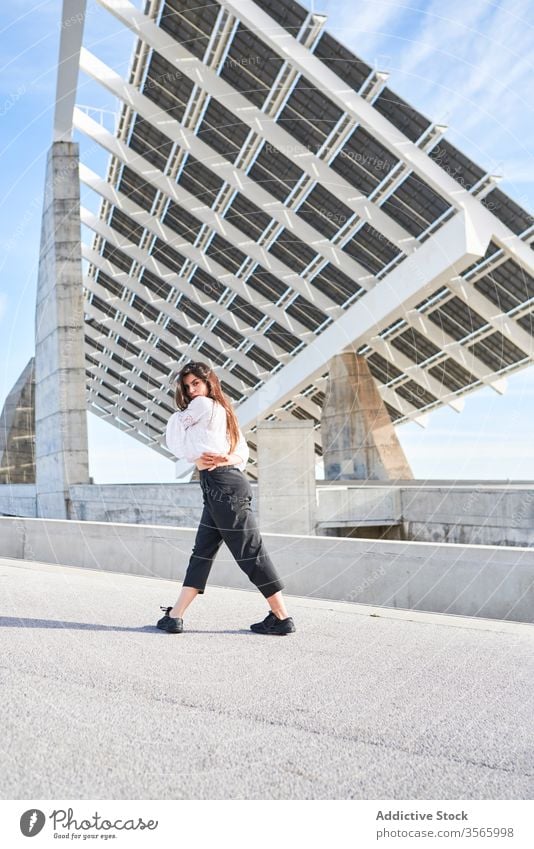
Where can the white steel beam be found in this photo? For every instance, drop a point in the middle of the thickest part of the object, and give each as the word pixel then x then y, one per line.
pixel 70 42
pixel 454 247
pixel 258 121
pixel 233 176
pixel 203 213
pixel 165 309
pixel 193 253
pixel 364 113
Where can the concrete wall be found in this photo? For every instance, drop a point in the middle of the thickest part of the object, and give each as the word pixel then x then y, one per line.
pixel 176 504
pixel 478 513
pixel 286 468
pixel 483 581
pixel 18 499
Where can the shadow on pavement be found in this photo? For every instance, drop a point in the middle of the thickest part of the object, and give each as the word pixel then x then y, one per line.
pixel 17 621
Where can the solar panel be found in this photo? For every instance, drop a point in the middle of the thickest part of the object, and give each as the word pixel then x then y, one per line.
pixel 266 284
pixel 335 284
pixel 212 355
pixel 452 375
pixel 456 164
pixel 179 330
pixel 401 114
pixel 245 375
pixel 274 172
pixel 307 313
pixel 156 285
pixel 262 358
pixel 182 222
pixel 225 253
pixel 222 130
pixel 415 394
pixel 309 115
pixel 324 211
pixel 415 205
pixel 168 256
pixel 292 251
pixel 110 284
pixel 507 286
pixel 117 257
pixel 382 369
pixel 371 249
pixel 250 63
pixel 245 311
pixel 190 22
pixel 508 211
pixel 363 161
pixel 138 190
pixel 199 181
pixel 283 338
pixel 123 224
pixel 207 284
pixel 224 331
pixel 341 61
pixel 167 86
pixel 457 319
pixel 247 217
pixel 251 66
pixel 414 345
pixel 146 310
pixel 497 352
pixel 287 13
pixel 150 143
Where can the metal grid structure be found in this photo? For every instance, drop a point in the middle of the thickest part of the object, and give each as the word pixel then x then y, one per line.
pixel 269 201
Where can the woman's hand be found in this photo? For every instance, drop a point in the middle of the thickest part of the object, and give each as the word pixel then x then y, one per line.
pixel 214 460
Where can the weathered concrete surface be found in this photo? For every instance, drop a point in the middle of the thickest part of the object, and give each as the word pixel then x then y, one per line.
pixel 17 430
pixel 467 513
pixel 360 703
pixel 286 468
pixel 18 500
pixel 358 437
pixel 61 453
pixel 489 581
pixel 175 504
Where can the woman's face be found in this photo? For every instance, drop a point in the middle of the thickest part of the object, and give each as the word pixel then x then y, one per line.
pixel 194 386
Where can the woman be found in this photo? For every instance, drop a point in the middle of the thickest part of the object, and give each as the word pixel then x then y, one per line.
pixel 205 431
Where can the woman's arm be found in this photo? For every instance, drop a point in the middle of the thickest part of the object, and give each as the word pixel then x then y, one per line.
pixel 179 423
pixel 238 458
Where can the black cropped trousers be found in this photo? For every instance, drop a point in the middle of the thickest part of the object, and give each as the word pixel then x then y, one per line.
pixel 227 517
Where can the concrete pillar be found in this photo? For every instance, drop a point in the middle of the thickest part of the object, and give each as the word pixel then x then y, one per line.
pixel 359 440
pixel 17 431
pixel 286 477
pixel 61 454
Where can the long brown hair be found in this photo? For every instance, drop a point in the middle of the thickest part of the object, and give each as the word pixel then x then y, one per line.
pixel 205 373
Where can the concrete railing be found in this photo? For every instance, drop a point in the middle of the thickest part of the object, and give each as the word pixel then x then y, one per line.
pixel 474 512
pixel 493 582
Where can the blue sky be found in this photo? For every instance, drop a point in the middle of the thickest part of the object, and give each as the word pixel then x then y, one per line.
pixel 467 65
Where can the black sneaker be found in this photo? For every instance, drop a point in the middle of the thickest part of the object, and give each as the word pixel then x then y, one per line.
pixel 171 624
pixel 273 625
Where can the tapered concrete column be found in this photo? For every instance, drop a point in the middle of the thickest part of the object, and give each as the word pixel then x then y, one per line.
pixel 286 477
pixel 359 440
pixel 61 454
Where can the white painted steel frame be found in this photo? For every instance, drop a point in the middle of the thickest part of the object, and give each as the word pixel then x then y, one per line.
pixel 453 186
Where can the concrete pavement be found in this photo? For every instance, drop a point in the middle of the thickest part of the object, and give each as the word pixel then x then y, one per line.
pixel 362 702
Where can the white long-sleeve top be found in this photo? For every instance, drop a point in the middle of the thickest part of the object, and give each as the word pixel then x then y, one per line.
pixel 202 427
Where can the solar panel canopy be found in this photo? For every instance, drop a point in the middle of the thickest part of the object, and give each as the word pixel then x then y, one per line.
pixel 269 201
